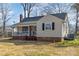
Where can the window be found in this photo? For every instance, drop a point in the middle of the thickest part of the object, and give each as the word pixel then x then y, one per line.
pixel 24 28
pixel 48 26
pixel 53 25
pixel 43 26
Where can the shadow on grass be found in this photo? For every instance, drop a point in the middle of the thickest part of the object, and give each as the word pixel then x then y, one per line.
pixel 24 42
pixel 61 46
pixel 57 45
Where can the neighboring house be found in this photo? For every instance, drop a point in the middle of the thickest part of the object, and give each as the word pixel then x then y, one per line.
pixel 8 30
pixel 53 27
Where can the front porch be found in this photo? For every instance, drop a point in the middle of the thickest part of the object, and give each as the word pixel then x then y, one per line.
pixel 25 32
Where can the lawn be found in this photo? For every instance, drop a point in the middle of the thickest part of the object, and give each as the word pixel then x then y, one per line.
pixel 35 48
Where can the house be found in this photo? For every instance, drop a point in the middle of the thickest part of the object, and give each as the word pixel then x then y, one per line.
pixel 52 27
pixel 8 31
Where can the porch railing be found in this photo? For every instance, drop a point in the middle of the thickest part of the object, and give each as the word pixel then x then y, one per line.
pixel 24 33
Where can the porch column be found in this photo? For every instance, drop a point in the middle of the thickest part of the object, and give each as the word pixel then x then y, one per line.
pixel 28 30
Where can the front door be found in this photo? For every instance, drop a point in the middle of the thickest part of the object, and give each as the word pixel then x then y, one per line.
pixel 32 30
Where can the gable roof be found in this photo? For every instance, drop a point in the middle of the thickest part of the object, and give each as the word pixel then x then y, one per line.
pixel 59 15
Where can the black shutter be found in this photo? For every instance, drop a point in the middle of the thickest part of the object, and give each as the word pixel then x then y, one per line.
pixel 53 25
pixel 43 26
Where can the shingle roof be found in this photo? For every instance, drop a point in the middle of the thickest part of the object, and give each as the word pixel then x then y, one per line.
pixel 32 18
pixel 14 25
pixel 59 15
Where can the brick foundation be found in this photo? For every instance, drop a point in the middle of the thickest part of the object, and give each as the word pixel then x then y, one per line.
pixel 19 37
pixel 48 39
pixel 24 37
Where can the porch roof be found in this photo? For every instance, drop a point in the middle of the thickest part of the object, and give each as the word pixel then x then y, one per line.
pixel 26 24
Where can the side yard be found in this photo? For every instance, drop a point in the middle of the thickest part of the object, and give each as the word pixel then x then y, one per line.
pixel 35 48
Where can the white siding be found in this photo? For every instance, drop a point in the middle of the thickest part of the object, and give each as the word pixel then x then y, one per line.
pixel 57 32
pixel 65 28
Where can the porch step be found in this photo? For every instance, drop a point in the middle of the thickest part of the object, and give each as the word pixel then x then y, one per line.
pixel 31 38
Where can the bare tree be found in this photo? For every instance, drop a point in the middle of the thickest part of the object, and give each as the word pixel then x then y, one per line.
pixel 76 7
pixel 5 15
pixel 56 8
pixel 27 7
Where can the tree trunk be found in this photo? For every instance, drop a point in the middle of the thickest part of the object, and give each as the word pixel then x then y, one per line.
pixel 4 29
pixel 25 11
pixel 24 8
pixel 76 23
pixel 28 15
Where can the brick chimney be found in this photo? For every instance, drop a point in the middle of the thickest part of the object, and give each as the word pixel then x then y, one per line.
pixel 21 17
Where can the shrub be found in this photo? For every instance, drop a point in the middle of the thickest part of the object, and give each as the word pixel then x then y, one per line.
pixel 69 43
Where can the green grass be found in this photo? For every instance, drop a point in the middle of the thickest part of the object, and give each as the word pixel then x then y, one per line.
pixel 68 43
pixel 36 48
